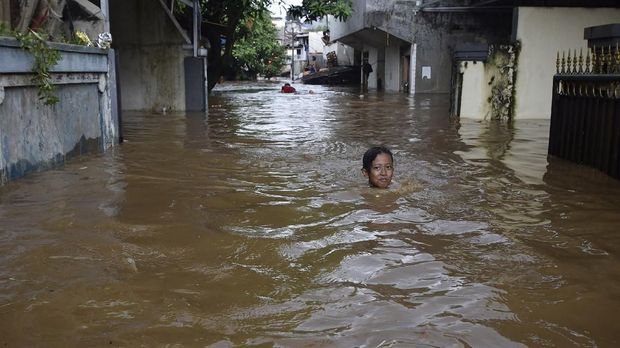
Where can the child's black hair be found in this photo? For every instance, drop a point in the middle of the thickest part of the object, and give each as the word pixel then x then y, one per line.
pixel 372 153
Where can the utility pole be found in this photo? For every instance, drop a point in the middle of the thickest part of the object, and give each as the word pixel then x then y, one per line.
pixel 292 51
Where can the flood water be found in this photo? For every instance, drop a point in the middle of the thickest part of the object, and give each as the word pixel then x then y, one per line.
pixel 253 226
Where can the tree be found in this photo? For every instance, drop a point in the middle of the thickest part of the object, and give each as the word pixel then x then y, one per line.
pixel 222 17
pixel 312 10
pixel 257 50
pixel 220 21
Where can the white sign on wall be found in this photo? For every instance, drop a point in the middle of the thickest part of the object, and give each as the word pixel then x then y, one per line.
pixel 426 72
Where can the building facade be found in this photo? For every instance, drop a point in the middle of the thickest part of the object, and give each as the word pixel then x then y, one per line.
pixel 424 47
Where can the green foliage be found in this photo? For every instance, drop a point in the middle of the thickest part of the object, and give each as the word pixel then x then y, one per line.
pixel 45 57
pixel 80 38
pixel 222 18
pixel 5 30
pixel 180 7
pixel 257 50
pixel 312 10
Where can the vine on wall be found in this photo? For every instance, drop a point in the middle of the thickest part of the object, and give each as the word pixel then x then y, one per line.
pixel 502 99
pixel 45 58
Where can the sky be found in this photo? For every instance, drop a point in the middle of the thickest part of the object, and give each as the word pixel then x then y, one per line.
pixel 277 9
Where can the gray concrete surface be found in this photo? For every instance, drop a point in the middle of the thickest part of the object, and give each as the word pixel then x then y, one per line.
pixel 35 136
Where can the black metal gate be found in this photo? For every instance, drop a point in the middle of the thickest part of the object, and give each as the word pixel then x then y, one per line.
pixel 585 121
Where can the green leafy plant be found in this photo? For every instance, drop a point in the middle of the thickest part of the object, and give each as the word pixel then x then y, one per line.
pixel 257 50
pixel 179 7
pixel 80 38
pixel 312 10
pixel 5 30
pixel 45 58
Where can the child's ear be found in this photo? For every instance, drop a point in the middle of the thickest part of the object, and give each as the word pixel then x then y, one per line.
pixel 365 172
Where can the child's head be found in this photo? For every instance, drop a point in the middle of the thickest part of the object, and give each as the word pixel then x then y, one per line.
pixel 378 166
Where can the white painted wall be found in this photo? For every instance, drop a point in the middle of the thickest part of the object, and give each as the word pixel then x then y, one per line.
pixel 543 31
pixel 475 90
pixel 344 53
pixel 315 44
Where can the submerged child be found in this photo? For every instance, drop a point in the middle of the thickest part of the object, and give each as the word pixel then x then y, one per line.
pixel 378 166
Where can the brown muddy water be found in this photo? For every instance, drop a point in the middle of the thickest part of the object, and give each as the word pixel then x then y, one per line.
pixel 253 227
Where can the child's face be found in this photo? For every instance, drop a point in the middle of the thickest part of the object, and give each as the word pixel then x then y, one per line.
pixel 381 171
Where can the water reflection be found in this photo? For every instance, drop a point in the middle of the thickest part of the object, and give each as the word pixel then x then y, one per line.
pixel 253 226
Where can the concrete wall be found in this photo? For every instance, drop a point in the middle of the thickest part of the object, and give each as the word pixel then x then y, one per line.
pixel 339 29
pixel 392 69
pixel 35 136
pixel 475 90
pixel 543 32
pixel 391 16
pixel 430 37
pixel 436 35
pixel 151 56
pixel 382 28
pixel 5 13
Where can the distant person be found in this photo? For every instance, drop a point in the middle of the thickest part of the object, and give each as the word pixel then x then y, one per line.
pixel 366 69
pixel 314 65
pixel 378 166
pixel 287 88
pixel 326 40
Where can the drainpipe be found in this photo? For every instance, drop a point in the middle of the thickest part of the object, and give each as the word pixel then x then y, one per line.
pixel 293 53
